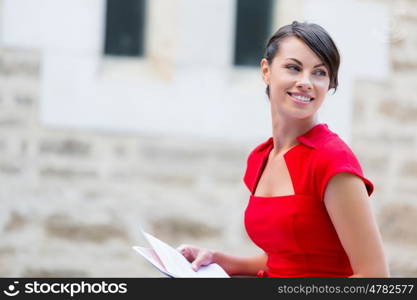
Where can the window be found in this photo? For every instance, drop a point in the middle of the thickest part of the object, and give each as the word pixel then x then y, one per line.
pixel 125 21
pixel 253 25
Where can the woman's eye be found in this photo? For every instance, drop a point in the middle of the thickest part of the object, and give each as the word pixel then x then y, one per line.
pixel 320 73
pixel 293 67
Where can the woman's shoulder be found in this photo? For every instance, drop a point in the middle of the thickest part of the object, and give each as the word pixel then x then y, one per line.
pixel 333 154
pixel 331 146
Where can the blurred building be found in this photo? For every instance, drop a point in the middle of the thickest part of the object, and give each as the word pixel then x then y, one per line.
pixel 120 114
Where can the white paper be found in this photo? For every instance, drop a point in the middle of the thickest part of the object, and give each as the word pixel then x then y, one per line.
pixel 172 263
pixel 153 258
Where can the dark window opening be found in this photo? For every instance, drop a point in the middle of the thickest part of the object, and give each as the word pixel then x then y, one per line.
pixel 253 25
pixel 125 22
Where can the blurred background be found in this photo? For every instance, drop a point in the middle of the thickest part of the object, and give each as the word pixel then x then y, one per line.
pixel 116 114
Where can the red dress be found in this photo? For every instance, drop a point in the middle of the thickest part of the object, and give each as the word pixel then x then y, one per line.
pixel 296 231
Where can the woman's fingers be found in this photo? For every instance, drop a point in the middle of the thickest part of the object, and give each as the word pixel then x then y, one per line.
pixel 197 256
pixel 197 263
pixel 181 247
pixel 204 258
pixel 187 252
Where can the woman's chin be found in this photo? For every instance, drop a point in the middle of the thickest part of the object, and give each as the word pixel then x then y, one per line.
pixel 301 114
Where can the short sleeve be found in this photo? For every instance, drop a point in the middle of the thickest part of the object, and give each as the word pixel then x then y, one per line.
pixel 335 161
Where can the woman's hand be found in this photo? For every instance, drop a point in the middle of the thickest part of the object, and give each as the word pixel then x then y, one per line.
pixel 196 256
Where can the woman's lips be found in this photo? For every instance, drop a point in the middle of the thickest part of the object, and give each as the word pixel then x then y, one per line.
pixel 300 98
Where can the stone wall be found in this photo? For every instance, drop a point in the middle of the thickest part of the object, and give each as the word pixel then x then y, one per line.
pixel 73 200
pixel 385 138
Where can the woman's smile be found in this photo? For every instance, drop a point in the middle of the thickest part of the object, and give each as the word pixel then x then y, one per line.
pixel 300 98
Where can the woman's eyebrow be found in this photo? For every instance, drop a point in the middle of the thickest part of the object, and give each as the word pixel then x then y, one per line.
pixel 301 64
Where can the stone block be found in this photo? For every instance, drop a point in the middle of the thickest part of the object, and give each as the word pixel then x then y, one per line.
pixel 403 112
pixel 16 62
pixel 67 147
pixel 23 100
pixel 16 222
pixel 7 251
pixel 409 168
pixel 64 227
pixel 400 268
pixel 407 185
pixel 376 164
pixel 188 152
pixel 12 121
pixel 44 272
pixel 24 147
pixel 7 260
pixel 9 168
pixel 405 9
pixel 120 151
pixel 65 173
pixel 388 141
pixel 404 64
pixel 3 145
pixel 175 229
pixel 178 180
pixel 398 223
pixel 125 174
pixel 359 108
pixel 403 35
pixel 157 153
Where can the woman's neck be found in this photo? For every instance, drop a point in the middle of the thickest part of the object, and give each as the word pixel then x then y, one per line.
pixel 285 131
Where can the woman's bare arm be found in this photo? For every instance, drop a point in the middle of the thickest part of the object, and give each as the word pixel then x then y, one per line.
pixel 235 265
pixel 349 208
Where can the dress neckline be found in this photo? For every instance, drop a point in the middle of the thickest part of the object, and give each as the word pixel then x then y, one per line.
pixel 262 169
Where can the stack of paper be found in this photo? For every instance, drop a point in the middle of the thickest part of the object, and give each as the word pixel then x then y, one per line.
pixel 172 263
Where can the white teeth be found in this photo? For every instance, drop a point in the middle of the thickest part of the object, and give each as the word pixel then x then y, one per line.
pixel 301 98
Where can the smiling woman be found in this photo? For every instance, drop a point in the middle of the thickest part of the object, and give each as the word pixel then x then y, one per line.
pixel 297 81
pixel 309 208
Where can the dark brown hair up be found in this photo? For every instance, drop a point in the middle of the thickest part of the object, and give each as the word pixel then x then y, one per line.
pixel 316 38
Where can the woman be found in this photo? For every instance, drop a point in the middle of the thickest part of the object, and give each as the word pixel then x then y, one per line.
pixel 309 209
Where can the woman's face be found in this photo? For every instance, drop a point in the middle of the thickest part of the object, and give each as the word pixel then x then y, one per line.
pixel 298 80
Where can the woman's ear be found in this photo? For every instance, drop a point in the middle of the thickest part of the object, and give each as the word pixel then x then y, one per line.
pixel 265 70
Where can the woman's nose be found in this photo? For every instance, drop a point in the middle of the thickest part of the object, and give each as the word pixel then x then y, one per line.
pixel 304 82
